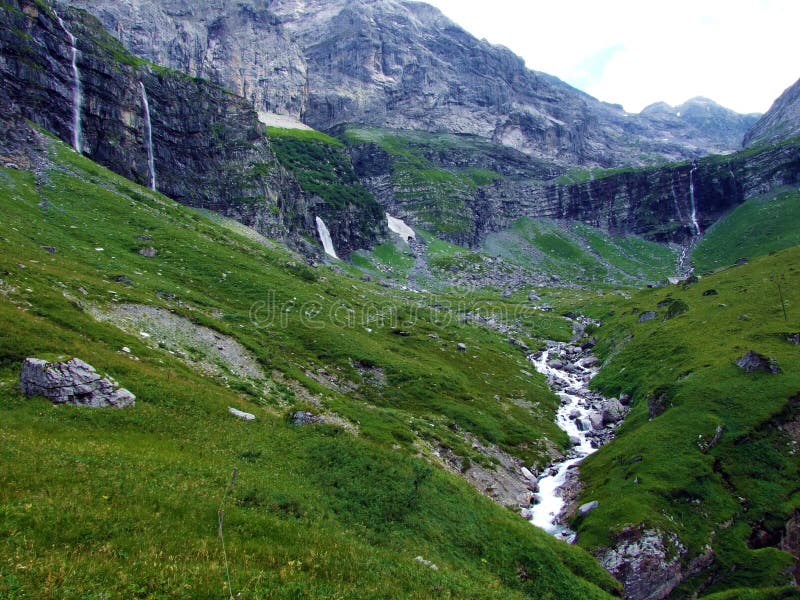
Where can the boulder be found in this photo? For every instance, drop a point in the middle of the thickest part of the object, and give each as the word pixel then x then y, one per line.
pixel 461 347
pixel 613 412
pixel 72 382
pixel 647 316
pixel 596 420
pixel 245 416
pixel 585 509
pixel 302 417
pixel 752 362
pixel 625 399
pixel 589 361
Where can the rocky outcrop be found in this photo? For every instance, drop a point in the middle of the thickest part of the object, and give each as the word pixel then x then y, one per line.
pixel 781 122
pixel 208 147
pixel 670 203
pixel 72 382
pixel 391 64
pixel 646 561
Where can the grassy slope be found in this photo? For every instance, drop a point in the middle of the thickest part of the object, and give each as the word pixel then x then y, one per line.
pixel 437 195
pixel 582 253
pixel 125 502
pixel 761 225
pixel 655 472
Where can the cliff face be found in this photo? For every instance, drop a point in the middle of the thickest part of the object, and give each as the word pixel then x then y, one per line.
pixel 393 64
pixel 208 148
pixel 780 122
pixel 670 203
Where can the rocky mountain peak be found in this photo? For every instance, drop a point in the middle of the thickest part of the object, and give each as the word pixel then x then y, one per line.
pixel 390 63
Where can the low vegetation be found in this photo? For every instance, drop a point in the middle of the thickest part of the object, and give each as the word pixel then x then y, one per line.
pixel 709 450
pixel 125 503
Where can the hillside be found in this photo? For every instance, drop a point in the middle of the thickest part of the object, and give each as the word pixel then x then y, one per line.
pixel 371 359
pixel 706 460
pixel 344 507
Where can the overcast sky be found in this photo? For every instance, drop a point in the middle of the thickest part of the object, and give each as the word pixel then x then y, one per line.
pixel 740 53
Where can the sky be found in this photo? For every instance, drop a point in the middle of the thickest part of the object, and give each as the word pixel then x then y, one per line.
pixel 740 53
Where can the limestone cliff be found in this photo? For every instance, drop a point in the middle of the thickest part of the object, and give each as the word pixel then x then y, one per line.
pixel 396 64
pixel 207 145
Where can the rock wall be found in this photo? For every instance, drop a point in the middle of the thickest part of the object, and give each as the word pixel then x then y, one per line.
pixel 396 64
pixel 655 202
pixel 210 150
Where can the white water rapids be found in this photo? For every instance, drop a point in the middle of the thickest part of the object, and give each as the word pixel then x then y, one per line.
pixel 578 405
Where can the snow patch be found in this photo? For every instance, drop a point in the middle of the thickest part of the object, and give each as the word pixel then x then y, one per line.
pixel 399 227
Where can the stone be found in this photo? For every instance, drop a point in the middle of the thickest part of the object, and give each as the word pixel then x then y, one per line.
pixel 625 399
pixel 427 563
pixel 647 316
pixel 596 420
pixel 711 292
pixel 72 382
pixel 574 414
pixel 588 362
pixel 555 364
pixel 613 412
pixel 532 297
pixel 646 561
pixel 302 417
pixel 575 441
pixel 506 294
pixel 751 362
pixel 245 416
pixel 49 249
pixel 461 347
pixel 585 509
pixel 148 251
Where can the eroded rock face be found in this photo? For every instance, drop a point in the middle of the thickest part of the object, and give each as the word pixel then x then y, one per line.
pixel 646 561
pixel 780 122
pixel 72 382
pixel 209 148
pixel 402 65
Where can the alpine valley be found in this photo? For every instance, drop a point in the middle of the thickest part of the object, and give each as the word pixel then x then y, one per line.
pixel 330 299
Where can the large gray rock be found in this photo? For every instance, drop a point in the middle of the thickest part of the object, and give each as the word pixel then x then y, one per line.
pixel 72 382
pixel 646 561
pixel 752 362
pixel 613 412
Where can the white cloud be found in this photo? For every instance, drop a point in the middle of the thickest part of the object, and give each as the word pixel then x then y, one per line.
pixel 739 53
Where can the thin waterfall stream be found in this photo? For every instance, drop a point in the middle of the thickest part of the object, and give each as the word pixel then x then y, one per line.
pixel 77 92
pixel 148 132
pixel 325 238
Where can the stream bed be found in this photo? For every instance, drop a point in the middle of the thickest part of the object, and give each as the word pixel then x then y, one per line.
pixel 587 417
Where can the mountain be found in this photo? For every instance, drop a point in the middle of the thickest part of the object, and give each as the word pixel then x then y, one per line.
pixel 192 140
pixel 393 64
pixel 701 122
pixel 780 122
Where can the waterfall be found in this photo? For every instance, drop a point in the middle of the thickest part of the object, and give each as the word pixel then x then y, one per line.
pixel 77 93
pixel 695 224
pixel 148 132
pixel 325 238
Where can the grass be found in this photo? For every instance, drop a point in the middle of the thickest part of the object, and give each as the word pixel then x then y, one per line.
pixel 757 227
pixel 321 166
pixel 679 369
pixel 124 503
pixel 580 253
